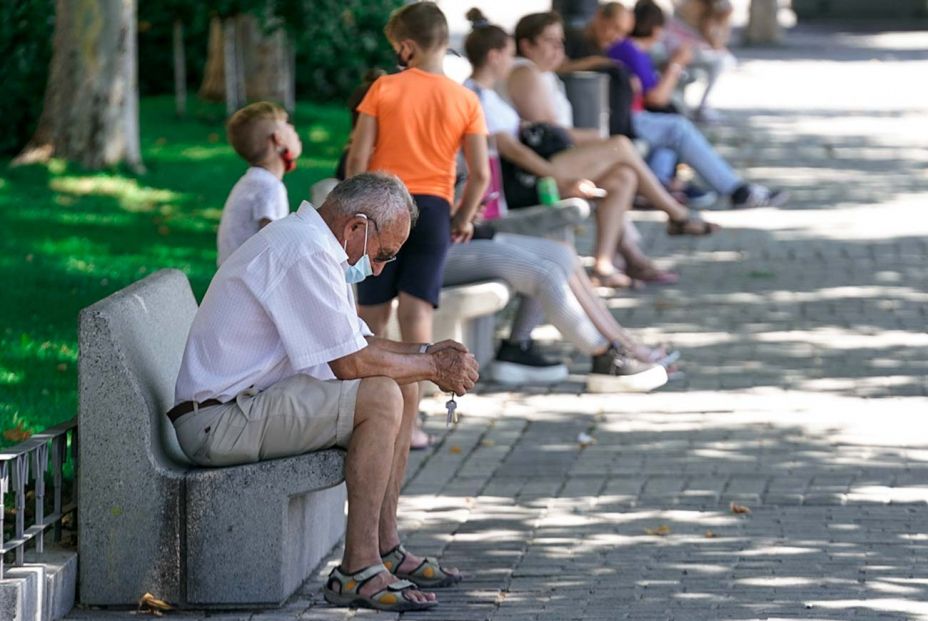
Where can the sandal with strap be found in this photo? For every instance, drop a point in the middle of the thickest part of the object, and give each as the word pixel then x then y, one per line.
pixel 429 574
pixel 613 280
pixel 691 226
pixel 652 275
pixel 343 589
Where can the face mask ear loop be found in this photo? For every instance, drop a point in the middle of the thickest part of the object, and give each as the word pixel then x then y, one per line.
pixel 366 222
pixel 345 244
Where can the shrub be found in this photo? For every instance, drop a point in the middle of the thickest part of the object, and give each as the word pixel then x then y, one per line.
pixel 26 28
pixel 336 43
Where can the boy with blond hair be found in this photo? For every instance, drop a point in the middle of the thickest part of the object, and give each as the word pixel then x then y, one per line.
pixel 262 135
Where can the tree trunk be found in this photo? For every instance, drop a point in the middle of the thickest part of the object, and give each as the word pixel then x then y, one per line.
pixel 213 87
pixel 180 69
pixel 268 63
pixel 260 62
pixel 763 26
pixel 233 63
pixel 90 112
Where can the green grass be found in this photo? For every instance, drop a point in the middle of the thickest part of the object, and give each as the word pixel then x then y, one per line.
pixel 71 237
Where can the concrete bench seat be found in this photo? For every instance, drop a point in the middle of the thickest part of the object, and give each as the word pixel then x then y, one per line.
pixel 556 221
pixel 151 521
pixel 467 315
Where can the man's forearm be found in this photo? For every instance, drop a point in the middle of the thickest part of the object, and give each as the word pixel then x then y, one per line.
pixel 396 347
pixel 375 360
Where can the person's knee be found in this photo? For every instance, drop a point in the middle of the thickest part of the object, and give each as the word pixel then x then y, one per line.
pixel 617 180
pixel 379 399
pixel 413 309
pixel 681 127
pixel 621 143
pixel 562 257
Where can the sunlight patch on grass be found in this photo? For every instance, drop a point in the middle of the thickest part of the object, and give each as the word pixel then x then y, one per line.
pixel 80 218
pixel 26 346
pixel 319 134
pixel 201 153
pixel 131 196
pixel 9 377
pixel 70 246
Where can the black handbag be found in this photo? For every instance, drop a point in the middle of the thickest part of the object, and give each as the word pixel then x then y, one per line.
pixel 545 139
pixel 519 185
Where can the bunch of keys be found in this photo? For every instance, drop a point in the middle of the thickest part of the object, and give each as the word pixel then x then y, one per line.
pixel 453 415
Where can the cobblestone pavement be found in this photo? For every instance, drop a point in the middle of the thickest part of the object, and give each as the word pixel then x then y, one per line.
pixel 804 396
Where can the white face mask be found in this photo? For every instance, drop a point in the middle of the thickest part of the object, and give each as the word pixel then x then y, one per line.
pixel 362 269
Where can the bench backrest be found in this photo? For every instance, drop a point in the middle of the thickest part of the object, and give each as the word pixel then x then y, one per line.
pixel 131 476
pixel 131 344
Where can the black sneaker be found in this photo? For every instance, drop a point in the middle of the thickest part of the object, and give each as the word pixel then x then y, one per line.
pixel 520 363
pixel 617 371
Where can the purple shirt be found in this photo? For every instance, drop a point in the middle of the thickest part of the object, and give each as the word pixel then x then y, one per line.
pixel 637 61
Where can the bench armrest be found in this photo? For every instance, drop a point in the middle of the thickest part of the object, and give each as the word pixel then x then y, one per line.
pixel 544 220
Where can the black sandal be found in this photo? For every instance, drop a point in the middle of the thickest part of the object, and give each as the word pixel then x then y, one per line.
pixel 681 227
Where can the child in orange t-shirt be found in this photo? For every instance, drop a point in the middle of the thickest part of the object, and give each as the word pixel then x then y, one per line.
pixel 412 124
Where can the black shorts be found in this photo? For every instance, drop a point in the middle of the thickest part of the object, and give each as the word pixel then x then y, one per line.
pixel 420 265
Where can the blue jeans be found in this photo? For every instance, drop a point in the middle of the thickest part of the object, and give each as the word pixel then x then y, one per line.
pixel 678 134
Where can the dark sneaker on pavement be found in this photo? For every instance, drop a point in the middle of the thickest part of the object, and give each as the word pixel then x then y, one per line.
pixel 756 195
pixel 699 198
pixel 617 371
pixel 520 363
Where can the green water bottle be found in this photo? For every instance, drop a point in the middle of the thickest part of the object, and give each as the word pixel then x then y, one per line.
pixel 547 191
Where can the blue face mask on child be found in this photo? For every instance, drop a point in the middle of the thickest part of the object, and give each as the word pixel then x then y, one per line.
pixel 362 269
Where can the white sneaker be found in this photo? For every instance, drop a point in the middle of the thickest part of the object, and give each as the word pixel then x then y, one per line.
pixel 616 371
pixel 761 196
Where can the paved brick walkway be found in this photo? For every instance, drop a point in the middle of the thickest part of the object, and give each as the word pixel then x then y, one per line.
pixel 804 396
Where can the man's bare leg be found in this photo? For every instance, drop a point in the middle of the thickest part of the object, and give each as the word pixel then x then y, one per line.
pixel 379 416
pixel 389 532
pixel 376 316
pixel 415 317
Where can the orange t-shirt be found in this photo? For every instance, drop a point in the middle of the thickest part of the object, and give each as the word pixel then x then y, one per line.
pixel 421 122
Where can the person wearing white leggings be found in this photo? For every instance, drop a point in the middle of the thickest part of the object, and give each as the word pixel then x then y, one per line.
pixel 552 282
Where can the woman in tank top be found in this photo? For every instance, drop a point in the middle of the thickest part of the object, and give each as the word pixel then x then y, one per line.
pixel 613 163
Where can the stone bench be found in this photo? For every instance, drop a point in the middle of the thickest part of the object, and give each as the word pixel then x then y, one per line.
pixel 467 315
pixel 149 520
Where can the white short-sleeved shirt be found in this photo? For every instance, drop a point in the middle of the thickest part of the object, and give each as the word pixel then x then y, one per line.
pixel 256 196
pixel 278 306
pixel 501 118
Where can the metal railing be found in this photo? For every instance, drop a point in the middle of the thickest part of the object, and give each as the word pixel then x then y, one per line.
pixel 34 456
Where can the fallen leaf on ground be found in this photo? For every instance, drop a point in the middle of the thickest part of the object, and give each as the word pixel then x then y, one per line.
pixel 736 508
pixel 661 531
pixel 149 604
pixel 709 535
pixel 17 434
pixel 455 449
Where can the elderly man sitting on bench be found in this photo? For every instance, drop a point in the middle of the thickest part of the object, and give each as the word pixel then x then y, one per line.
pixel 278 363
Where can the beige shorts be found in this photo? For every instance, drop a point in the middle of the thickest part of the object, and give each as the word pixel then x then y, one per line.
pixel 294 416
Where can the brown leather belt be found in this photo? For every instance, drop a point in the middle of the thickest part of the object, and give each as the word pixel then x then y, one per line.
pixel 187 406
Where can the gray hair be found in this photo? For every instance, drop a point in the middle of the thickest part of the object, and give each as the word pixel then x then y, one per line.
pixel 380 196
